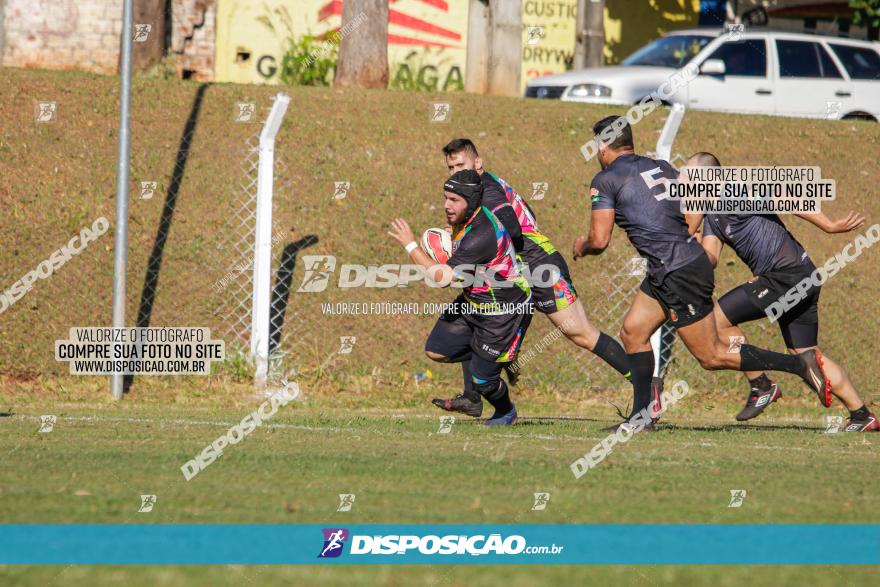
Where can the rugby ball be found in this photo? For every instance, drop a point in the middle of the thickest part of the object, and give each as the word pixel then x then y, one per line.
pixel 437 243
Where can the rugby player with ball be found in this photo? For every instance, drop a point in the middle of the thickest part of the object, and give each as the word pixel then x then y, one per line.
pixel 488 321
pixel 558 299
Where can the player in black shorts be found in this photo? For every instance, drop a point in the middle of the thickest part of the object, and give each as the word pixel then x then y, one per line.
pixel 489 319
pixel 558 301
pixel 778 262
pixel 631 191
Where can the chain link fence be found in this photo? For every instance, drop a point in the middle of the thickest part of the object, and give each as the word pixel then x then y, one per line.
pixel 191 261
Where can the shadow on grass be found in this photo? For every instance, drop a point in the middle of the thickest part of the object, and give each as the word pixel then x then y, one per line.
pixel 735 427
pixel 281 290
pixel 163 231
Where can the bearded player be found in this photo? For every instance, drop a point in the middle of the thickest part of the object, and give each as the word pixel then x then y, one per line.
pixel 558 301
pixel 488 321
pixel 778 262
pixel 631 192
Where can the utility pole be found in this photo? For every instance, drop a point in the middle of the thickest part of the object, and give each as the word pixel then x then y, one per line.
pixel 589 34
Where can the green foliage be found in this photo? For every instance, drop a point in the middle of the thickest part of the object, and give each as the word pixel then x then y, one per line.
pixel 306 61
pixel 238 364
pixel 866 12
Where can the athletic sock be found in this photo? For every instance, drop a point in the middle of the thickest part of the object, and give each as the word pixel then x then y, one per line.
pixel 754 359
pixel 860 414
pixel 642 372
pixel 500 398
pixel 611 351
pixel 469 391
pixel 761 382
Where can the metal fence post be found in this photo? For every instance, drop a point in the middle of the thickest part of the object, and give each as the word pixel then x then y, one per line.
pixel 120 247
pixel 263 241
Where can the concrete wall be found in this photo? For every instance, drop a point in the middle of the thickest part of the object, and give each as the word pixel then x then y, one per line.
pixel 85 34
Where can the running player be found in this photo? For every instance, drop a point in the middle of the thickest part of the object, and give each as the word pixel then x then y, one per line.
pixel 778 262
pixel 559 301
pixel 631 192
pixel 489 319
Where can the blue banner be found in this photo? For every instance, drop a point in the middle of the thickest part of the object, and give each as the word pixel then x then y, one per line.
pixel 648 544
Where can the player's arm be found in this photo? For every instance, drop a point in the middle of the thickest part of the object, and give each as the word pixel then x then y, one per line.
pixel 712 245
pixel 507 217
pixel 849 222
pixel 401 232
pixel 693 221
pixel 496 201
pixel 602 204
pixel 599 236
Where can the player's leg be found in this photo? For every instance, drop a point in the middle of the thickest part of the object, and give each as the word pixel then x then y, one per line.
pixel 575 325
pixel 489 384
pixel 701 339
pixel 644 317
pixel 687 294
pixel 737 306
pixel 801 334
pixel 450 342
pixel 558 299
pixel 496 342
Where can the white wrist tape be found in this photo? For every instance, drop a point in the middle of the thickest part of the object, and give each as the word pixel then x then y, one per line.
pixel 411 246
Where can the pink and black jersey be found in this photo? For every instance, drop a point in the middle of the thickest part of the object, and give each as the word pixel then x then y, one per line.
pixel 483 249
pixel 497 193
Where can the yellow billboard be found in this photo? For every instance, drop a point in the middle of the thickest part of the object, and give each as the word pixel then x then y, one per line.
pixel 548 37
pixel 426 39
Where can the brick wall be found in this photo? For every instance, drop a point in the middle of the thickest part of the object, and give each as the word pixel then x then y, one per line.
pixel 62 34
pixel 192 37
pixel 84 34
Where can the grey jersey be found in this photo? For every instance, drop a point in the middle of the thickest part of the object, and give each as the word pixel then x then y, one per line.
pixel 635 187
pixel 760 240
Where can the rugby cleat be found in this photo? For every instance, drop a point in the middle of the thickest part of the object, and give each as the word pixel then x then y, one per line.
pixel 868 425
pixel 460 404
pixel 758 400
pixel 502 419
pixel 814 375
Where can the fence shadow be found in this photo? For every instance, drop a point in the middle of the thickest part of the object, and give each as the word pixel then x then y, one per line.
pixel 154 265
pixel 281 290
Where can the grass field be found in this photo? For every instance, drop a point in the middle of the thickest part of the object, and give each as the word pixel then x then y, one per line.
pixel 100 457
pixel 364 426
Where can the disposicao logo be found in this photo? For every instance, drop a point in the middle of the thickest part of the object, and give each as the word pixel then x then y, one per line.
pixel 334 540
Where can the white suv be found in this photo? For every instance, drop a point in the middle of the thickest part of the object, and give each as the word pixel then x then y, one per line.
pixel 756 72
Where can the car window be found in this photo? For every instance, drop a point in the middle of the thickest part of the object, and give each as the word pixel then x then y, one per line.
pixel 745 58
pixel 673 51
pixel 860 62
pixel 829 69
pixel 804 59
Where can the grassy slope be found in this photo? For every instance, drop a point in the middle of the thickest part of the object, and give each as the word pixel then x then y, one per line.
pixel 58 178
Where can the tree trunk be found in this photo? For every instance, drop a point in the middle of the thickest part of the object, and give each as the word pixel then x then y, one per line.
pixel 479 37
pixel 363 49
pixel 494 47
pixel 505 59
pixel 594 32
pixel 148 48
pixel 580 36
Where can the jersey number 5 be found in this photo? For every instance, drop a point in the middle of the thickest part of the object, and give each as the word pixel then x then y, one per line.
pixel 652 182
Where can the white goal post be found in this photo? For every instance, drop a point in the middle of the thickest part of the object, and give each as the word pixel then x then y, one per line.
pixel 262 279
